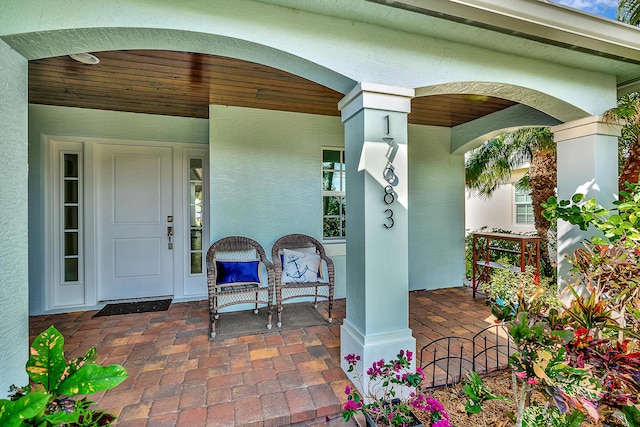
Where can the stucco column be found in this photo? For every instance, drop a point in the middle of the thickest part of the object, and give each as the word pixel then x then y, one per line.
pixel 14 285
pixel 587 151
pixel 377 320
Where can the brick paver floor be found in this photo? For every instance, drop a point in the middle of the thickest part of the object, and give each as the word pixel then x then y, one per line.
pixel 177 377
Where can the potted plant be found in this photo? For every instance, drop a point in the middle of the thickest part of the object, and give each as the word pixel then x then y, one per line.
pixel 46 400
pixel 381 406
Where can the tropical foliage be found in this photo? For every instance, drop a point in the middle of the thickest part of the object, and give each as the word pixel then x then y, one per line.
pixel 629 11
pixel 584 357
pixel 627 113
pixel 490 165
pixel 45 402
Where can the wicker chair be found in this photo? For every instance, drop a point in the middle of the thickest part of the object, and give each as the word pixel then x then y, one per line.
pixel 231 283
pixel 316 286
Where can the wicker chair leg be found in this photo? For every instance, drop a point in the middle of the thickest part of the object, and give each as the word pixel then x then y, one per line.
pixel 213 316
pixel 269 317
pixel 279 324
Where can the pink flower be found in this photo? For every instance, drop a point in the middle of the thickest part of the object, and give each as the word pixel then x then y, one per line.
pixel 351 359
pixel 351 405
pixel 522 375
pixel 532 381
pixel 347 390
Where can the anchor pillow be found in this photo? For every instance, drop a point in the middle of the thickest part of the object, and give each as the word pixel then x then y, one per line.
pixel 299 267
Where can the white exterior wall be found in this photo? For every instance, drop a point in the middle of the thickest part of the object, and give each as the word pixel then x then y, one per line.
pixel 498 211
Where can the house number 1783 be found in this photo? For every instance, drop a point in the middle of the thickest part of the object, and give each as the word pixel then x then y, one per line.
pixel 390 177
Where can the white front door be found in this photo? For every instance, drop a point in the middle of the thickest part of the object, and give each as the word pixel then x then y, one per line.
pixel 134 208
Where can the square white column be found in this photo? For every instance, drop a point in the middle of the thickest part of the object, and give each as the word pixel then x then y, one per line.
pixel 377 322
pixel 587 153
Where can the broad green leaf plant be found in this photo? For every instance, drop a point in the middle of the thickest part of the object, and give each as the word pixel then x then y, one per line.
pixel 45 401
pixel 585 357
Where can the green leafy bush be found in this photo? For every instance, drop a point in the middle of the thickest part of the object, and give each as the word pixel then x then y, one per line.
pixel 509 291
pixel 46 402
pixel 585 357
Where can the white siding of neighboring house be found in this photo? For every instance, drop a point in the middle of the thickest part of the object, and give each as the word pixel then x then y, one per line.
pixel 497 211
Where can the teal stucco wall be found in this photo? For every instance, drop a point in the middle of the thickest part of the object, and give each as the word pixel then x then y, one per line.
pixel 13 211
pixel 436 210
pixel 266 176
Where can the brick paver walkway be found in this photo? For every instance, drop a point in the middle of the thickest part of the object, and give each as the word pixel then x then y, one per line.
pixel 177 377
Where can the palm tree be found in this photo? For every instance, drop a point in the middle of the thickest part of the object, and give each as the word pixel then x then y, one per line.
pixel 629 11
pixel 489 166
pixel 627 112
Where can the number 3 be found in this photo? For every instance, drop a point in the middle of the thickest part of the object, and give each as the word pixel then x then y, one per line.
pixel 390 218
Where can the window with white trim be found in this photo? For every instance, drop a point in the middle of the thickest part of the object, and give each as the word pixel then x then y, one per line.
pixel 333 194
pixel 196 205
pixel 523 207
pixel 71 217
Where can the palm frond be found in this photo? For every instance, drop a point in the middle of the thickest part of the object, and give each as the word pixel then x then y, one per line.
pixel 489 166
pixel 629 12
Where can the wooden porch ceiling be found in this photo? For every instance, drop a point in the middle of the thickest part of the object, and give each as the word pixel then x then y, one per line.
pixel 185 84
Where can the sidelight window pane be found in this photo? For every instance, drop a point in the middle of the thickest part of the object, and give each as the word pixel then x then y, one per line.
pixel 71 270
pixel 70 166
pixel 196 262
pixel 196 205
pixel 196 240
pixel 71 202
pixel 71 191
pixel 71 243
pixel 71 217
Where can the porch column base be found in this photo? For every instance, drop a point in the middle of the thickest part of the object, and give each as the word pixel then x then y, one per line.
pixel 372 348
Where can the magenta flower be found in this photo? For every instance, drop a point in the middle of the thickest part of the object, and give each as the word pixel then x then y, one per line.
pixel 351 405
pixel 385 404
pixel 351 359
pixel 522 375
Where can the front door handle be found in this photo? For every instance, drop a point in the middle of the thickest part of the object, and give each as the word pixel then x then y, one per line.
pixel 170 236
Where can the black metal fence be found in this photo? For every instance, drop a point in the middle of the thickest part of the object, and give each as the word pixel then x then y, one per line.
pixel 447 360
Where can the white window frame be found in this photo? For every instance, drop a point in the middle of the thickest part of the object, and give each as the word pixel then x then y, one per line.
pixel 334 193
pixel 517 203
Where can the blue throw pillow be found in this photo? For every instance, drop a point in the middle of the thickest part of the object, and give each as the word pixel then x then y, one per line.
pixel 238 272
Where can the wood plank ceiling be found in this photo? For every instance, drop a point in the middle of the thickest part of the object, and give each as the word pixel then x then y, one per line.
pixel 184 84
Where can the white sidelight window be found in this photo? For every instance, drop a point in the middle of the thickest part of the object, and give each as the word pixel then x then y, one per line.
pixel 196 219
pixel 71 218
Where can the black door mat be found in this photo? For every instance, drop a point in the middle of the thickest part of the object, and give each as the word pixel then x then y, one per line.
pixel 242 323
pixel 134 307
